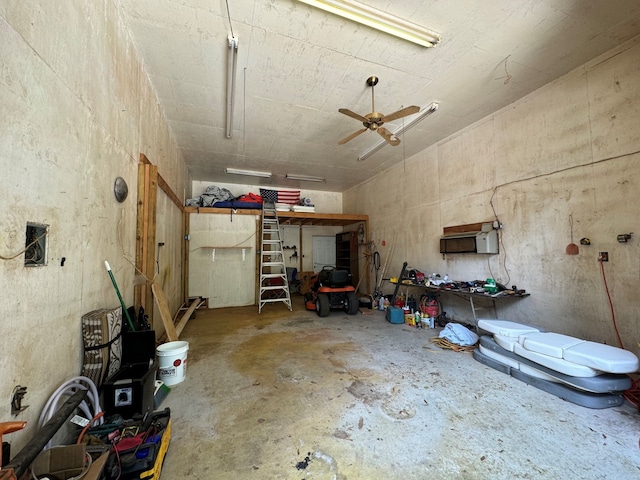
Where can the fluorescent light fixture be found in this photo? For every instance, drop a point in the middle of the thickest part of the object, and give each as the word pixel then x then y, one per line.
pixel 232 61
pixel 424 114
pixel 378 19
pixel 249 173
pixel 304 178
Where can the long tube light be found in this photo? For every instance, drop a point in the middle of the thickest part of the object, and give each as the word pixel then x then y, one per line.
pixel 304 178
pixel 424 114
pixel 249 173
pixel 232 61
pixel 379 20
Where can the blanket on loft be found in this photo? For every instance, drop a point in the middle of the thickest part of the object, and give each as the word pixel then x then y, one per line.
pixel 218 197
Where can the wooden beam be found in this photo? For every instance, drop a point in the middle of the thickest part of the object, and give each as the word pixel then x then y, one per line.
pixel 141 235
pixel 471 227
pixel 164 186
pixel 150 254
pixel 292 218
pixel 185 318
pixel 165 313
pixel 227 211
pixel 146 236
pixel 186 226
pixel 300 251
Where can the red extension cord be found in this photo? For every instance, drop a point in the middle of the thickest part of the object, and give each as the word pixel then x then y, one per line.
pixel 633 394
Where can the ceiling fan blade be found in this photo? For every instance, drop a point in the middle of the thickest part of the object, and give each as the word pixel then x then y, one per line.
pixel 388 136
pixel 401 113
pixel 352 136
pixel 351 114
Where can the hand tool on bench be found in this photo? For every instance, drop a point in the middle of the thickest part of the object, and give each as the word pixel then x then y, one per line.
pixel 395 292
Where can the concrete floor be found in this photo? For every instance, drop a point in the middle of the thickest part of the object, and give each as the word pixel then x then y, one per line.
pixel 289 395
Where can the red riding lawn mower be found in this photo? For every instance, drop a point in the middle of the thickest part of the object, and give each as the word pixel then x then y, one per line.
pixel 331 288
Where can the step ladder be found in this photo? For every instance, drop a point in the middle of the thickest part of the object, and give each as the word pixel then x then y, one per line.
pixel 274 284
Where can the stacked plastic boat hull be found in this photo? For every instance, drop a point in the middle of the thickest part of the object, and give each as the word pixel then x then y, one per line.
pixel 586 373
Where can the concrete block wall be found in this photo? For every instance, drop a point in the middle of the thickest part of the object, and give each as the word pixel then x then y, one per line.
pixel 569 148
pixel 76 111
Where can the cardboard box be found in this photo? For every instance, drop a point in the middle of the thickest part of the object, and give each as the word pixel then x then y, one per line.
pixel 67 461
pixel 96 468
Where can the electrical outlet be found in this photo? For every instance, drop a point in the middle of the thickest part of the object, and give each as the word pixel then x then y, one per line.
pixel 603 256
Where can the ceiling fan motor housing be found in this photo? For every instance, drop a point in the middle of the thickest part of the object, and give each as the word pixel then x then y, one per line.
pixel 375 120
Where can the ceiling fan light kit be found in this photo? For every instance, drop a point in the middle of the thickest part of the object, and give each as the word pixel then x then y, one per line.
pixel 378 19
pixel 249 173
pixel 432 108
pixel 304 178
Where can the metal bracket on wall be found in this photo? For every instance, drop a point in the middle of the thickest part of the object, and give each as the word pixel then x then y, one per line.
pixel 16 400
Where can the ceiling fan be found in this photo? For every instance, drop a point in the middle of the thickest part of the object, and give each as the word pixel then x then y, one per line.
pixel 375 120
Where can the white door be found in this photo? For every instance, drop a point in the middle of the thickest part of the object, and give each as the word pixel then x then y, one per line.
pixel 324 252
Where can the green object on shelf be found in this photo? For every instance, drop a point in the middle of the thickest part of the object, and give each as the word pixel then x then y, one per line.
pixel 490 286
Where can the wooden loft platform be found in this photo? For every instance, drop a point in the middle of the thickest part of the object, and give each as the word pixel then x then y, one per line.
pixel 320 219
pixel 302 219
pixel 224 211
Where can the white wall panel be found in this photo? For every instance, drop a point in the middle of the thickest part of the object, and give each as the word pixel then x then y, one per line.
pixel 225 277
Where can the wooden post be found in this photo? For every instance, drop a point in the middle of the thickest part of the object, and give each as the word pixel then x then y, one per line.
pixel 146 236
pixel 186 228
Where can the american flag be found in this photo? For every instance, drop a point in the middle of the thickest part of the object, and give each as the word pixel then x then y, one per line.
pixel 290 197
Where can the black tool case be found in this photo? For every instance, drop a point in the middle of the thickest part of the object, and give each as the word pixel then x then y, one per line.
pixel 130 390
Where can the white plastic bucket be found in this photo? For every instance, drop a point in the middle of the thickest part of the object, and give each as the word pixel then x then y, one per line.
pixel 172 362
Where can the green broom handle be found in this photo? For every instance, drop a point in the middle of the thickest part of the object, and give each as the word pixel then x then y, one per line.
pixel 115 285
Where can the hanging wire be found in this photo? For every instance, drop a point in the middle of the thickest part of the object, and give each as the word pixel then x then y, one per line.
pixel 229 17
pixel 507 77
pixel 504 250
pixel 126 257
pixel 25 249
pixel 404 155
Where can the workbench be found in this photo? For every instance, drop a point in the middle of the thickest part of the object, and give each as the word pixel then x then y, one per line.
pixel 485 300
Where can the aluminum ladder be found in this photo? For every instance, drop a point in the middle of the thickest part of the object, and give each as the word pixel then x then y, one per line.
pixel 274 284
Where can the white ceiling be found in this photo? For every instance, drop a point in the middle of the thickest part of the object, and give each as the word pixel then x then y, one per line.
pixel 297 65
